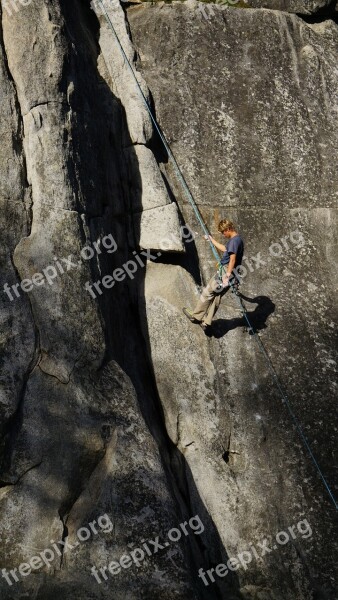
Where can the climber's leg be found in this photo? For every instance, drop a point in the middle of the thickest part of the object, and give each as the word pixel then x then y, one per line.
pixel 214 306
pixel 204 301
pixel 210 294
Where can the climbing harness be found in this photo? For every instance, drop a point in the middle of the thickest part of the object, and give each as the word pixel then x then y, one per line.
pixel 234 289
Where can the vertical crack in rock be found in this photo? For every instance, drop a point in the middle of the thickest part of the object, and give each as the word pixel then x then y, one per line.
pixel 137 365
pixel 63 538
pixel 18 136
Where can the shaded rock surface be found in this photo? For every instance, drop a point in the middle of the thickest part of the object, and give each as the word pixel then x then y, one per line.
pixel 112 403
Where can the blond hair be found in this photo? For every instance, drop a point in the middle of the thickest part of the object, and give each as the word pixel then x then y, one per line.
pixel 226 225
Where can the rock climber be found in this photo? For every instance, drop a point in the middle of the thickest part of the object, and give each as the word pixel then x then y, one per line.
pixel 220 283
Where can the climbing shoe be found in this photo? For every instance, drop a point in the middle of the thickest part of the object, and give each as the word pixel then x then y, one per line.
pixel 188 314
pixel 207 329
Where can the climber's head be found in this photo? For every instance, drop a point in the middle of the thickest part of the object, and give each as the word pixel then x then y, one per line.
pixel 226 227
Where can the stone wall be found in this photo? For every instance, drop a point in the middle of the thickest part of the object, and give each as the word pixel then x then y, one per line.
pixel 112 402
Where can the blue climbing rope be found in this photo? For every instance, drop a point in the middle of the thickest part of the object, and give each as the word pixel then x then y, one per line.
pixel 216 254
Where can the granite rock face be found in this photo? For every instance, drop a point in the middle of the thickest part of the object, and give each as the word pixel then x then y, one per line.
pixel 75 446
pixel 121 421
pixel 256 139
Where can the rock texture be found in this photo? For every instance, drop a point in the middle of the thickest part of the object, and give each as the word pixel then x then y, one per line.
pixel 256 140
pixel 138 133
pixel 74 443
pixel 111 401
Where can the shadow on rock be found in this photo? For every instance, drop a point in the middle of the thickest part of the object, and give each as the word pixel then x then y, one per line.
pixel 257 317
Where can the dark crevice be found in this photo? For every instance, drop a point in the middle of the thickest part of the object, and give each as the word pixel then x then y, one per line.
pixel 28 200
pixel 135 359
pixel 226 453
pixel 328 12
pixel 4 484
pixel 179 477
pixel 226 456
pixel 63 539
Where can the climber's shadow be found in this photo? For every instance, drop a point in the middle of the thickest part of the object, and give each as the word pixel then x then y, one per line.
pixel 257 317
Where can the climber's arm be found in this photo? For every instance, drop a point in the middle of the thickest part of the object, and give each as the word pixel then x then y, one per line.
pixel 217 244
